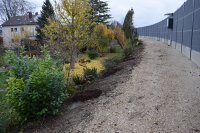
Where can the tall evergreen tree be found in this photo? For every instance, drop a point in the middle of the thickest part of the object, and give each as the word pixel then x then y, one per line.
pixel 47 12
pixel 100 12
pixel 128 24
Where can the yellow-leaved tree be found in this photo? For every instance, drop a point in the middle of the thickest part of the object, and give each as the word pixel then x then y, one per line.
pixel 111 34
pixel 70 30
pixel 101 30
pixel 120 36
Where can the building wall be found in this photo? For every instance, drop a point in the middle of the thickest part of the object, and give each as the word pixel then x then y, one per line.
pixel 185 35
pixel 8 34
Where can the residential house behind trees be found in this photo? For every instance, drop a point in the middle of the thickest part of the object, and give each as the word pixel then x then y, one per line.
pixel 18 24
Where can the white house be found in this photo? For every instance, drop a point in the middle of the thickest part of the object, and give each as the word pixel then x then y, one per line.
pixel 19 24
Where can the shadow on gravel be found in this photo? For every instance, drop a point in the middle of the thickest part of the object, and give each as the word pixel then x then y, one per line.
pixel 73 112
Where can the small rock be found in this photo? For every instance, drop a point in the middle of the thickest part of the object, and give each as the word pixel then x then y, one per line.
pixel 196 130
pixel 156 123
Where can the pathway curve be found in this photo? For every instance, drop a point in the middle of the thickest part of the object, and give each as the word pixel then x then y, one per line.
pixel 162 95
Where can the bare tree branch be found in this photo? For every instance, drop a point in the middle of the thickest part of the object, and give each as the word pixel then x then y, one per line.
pixel 11 8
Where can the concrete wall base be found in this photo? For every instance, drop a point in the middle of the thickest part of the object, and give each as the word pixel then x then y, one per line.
pixel 173 44
pixel 178 47
pixel 195 57
pixel 186 51
pixel 169 42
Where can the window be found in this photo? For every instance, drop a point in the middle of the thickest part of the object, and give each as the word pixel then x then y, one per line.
pixel 15 29
pixel 22 29
pixel 11 29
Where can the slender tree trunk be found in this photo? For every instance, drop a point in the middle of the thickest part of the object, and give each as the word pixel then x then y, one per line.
pixel 119 43
pixel 132 42
pixel 73 48
pixel 73 57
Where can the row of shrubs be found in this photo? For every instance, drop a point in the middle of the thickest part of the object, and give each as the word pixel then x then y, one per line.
pixel 38 86
pixel 93 53
pixel 127 49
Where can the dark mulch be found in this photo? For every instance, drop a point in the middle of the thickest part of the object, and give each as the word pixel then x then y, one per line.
pixel 85 95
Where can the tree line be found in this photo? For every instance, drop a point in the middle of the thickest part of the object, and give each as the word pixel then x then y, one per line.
pixel 73 24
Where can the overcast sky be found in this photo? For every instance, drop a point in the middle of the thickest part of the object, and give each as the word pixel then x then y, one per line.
pixel 147 12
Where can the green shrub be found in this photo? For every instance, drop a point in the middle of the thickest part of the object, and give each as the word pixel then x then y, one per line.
pixel 127 51
pixel 2 61
pixel 36 85
pixel 111 62
pixel 71 90
pixel 139 42
pixel 80 83
pixel 91 74
pixel 113 49
pixel 3 77
pixel 136 40
pixel 92 54
pixel 104 42
pixel 4 112
pixel 78 80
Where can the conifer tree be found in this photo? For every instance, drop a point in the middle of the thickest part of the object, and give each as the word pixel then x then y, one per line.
pixel 128 24
pixel 100 12
pixel 47 12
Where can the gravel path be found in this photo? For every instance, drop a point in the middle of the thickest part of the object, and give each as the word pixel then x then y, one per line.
pixel 161 95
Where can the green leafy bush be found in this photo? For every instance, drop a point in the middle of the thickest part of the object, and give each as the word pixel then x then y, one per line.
pixel 127 51
pixel 71 90
pixel 36 85
pixel 78 80
pixel 3 77
pixel 91 74
pixel 2 61
pixel 104 42
pixel 136 40
pixel 139 42
pixel 113 49
pixel 111 62
pixel 92 54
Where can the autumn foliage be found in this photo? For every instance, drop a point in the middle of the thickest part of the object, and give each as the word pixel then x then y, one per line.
pixel 113 34
pixel 101 30
pixel 71 29
pixel 120 36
